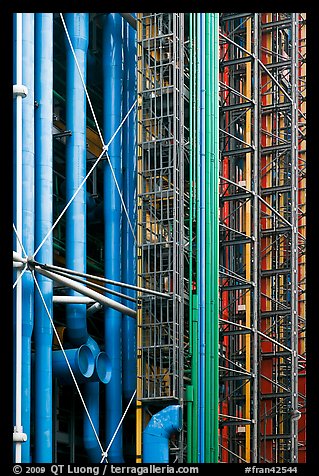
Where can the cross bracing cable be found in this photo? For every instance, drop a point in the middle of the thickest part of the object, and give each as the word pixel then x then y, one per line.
pixel 104 151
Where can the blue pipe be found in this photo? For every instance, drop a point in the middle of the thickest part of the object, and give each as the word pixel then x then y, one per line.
pixel 158 432
pixel 81 361
pixel 92 400
pixel 202 283
pixel 112 90
pixel 129 189
pixel 27 222
pixel 94 210
pixel 78 28
pixel 43 222
pixel 102 368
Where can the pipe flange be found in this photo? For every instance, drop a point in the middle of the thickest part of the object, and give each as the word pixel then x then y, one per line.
pixel 20 90
pixel 19 437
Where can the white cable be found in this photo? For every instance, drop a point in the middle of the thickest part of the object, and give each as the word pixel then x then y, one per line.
pixel 69 203
pixel 97 125
pixel 105 453
pixel 121 197
pixel 67 361
pixel 19 277
pixel 105 148
pixel 20 242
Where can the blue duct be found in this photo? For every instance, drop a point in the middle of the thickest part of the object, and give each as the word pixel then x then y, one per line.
pixel 92 399
pixel 112 90
pixel 158 432
pixel 94 210
pixel 27 222
pixel 129 193
pixel 78 28
pixel 81 361
pixel 86 366
pixel 43 222
pixel 202 283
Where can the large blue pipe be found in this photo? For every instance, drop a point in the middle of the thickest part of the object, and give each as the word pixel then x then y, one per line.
pixel 129 192
pixel 112 90
pixel 27 221
pixel 81 361
pixel 78 28
pixel 158 432
pixel 43 222
pixel 202 283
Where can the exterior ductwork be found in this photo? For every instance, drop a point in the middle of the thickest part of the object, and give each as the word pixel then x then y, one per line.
pixel 158 432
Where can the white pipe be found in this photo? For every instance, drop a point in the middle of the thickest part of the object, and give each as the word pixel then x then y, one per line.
pixel 73 300
pixel 92 309
pixel 17 257
pixel 18 436
pixel 87 292
pixel 16 264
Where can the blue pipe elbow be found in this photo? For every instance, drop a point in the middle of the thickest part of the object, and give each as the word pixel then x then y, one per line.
pixel 158 432
pixel 103 368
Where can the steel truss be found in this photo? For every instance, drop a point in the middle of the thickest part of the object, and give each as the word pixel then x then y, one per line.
pixel 262 231
pixel 161 208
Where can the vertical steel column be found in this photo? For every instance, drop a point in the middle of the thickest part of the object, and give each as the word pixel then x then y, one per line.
pixel 213 427
pixel 294 236
pixel 139 364
pixel 255 226
pixel 247 227
pixel 43 223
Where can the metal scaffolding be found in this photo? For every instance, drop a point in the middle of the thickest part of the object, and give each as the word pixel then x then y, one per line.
pixel 161 205
pixel 262 235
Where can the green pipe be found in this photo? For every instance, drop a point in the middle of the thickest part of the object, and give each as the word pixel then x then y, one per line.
pixel 196 208
pixel 190 400
pixel 209 272
pixel 215 235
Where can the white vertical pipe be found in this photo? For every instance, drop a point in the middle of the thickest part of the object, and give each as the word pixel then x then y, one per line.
pixel 18 379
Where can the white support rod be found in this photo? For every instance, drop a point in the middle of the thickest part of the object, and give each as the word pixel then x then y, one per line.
pixel 73 300
pixel 17 257
pixel 87 292
pixel 16 264
pixel 18 378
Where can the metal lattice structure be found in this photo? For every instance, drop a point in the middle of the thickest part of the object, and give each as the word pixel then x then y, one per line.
pixel 161 204
pixel 238 234
pixel 262 205
pixel 280 241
